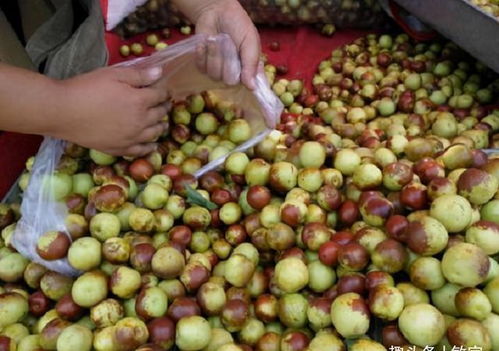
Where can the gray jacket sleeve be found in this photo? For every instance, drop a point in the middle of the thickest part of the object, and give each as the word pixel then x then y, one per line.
pixel 67 52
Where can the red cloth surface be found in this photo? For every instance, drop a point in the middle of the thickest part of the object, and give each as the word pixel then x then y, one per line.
pixel 301 50
pixel 15 149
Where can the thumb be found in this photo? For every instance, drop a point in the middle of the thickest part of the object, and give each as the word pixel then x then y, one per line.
pixel 250 58
pixel 139 77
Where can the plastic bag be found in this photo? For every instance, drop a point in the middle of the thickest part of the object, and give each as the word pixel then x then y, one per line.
pixel 41 210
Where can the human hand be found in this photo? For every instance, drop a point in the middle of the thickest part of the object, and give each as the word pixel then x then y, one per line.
pixel 115 110
pixel 224 16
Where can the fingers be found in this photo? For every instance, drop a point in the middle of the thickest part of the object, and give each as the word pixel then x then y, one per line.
pixel 131 151
pixel 156 114
pixel 140 149
pixel 206 27
pixel 219 60
pixel 139 77
pixel 144 143
pixel 250 56
pixel 161 83
pixel 154 95
pixel 231 64
pixel 214 60
pixel 201 57
pixel 151 134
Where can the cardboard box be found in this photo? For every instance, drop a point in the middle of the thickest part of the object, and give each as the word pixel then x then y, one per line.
pixel 465 24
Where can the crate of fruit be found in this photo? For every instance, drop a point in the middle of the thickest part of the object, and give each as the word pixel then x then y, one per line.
pixel 129 20
pixel 367 220
pixel 469 23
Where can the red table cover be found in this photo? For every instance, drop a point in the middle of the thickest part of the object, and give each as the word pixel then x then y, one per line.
pixel 15 149
pixel 301 50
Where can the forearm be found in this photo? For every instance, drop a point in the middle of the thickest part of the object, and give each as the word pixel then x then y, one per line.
pixel 29 101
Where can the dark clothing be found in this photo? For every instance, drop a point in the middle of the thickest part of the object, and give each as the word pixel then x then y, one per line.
pixel 63 40
pixel 11 10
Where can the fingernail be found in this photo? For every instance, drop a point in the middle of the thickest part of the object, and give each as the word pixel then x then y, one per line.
pixel 252 83
pixel 155 72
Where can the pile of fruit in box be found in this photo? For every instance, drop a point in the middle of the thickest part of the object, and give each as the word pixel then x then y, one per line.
pixel 368 221
pixel 488 6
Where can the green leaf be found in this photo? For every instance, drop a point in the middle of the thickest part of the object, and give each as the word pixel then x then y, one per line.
pixel 195 198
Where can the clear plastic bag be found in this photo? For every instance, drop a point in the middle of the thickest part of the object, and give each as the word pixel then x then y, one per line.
pixel 41 210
